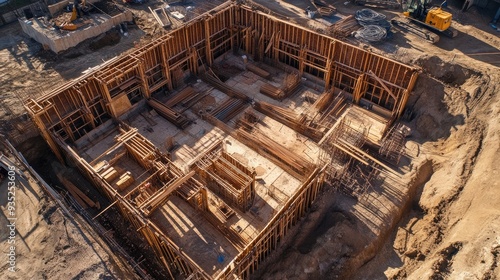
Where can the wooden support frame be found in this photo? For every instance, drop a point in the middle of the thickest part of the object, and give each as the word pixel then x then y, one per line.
pixel 63 115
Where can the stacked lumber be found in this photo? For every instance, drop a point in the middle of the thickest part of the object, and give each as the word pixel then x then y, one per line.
pixel 291 84
pixel 290 119
pixel 345 27
pixel 178 119
pixel 272 91
pixel 294 164
pixel 323 101
pixel 258 71
pixel 189 189
pixel 228 109
pixel 337 106
pixel 276 112
pixel 125 180
pixel 110 174
pixel 326 11
pixel 182 97
pixel 141 149
pixel 210 78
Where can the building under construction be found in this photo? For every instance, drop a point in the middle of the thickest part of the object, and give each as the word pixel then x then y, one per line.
pixel 215 139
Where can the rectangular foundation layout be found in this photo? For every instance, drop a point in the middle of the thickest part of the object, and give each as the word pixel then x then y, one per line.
pixel 214 171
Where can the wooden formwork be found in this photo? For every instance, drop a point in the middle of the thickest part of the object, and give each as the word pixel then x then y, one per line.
pixel 272 235
pixel 113 89
pixel 227 177
pixel 71 111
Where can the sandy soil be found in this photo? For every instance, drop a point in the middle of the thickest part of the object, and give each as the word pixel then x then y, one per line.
pixel 438 222
pixel 50 244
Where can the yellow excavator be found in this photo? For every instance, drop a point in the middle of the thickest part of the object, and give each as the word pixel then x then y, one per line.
pixel 75 13
pixel 422 13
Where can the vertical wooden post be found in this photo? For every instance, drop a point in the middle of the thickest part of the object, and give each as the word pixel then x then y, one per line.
pixel 208 47
pixel 48 138
pixel 302 57
pixel 145 84
pixel 231 27
pixel 88 114
pixel 194 61
pixel 248 40
pixel 277 45
pixel 108 99
pixel 329 63
pixel 358 88
pixel 166 66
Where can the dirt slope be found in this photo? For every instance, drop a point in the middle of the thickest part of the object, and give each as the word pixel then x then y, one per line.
pixel 452 231
pixel 48 243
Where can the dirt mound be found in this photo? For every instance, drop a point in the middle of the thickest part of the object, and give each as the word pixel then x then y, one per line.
pixel 447 72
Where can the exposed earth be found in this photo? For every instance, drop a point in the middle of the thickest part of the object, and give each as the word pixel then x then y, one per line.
pixel 445 226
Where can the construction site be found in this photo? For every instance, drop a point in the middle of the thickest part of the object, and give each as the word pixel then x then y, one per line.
pixel 220 139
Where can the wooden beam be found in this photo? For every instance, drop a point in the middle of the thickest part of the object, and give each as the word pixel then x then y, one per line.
pixel 158 198
pixel 271 42
pixel 383 84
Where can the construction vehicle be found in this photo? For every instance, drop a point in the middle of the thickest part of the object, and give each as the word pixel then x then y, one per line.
pixel 76 12
pixel 422 13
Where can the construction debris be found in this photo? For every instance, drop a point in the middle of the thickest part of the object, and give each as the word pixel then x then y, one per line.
pixel 161 17
pixel 290 85
pixel 289 118
pixel 388 4
pixel 228 109
pixel 345 27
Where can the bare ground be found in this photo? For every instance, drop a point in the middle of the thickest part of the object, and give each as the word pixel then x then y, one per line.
pixel 447 201
pixel 48 243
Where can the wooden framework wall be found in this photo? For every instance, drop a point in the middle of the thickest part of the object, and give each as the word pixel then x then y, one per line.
pixel 366 75
pixel 172 181
pixel 249 259
pixel 71 111
pixel 74 109
pixel 227 177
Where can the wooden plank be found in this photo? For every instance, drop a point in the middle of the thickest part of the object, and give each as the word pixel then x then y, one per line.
pixel 76 191
pixel 153 202
pixel 383 85
pixel 259 71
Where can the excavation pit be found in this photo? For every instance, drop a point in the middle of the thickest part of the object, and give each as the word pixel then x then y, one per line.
pixel 177 140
